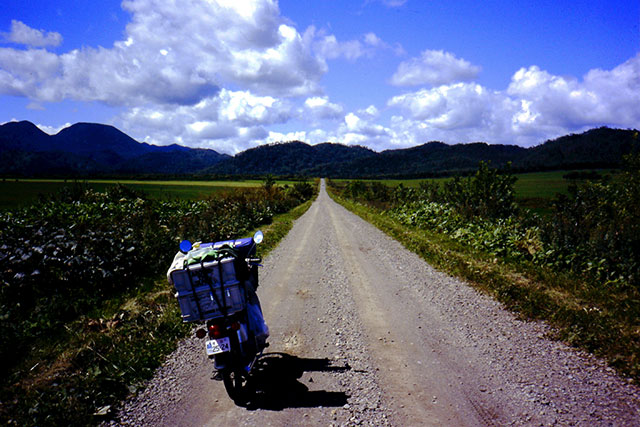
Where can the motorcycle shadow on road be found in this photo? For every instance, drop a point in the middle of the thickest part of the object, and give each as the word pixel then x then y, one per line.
pixel 275 380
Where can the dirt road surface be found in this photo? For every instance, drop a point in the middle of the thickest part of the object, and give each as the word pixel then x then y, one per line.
pixel 363 332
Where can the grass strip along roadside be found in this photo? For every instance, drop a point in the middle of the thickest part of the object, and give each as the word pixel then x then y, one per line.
pixel 81 334
pixel 585 308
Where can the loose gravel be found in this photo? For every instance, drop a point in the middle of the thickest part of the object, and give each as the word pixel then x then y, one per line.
pixel 404 345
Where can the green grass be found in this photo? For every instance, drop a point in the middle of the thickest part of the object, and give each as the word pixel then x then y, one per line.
pixel 534 191
pixel 16 193
pixel 528 185
pixel 412 183
pixel 540 184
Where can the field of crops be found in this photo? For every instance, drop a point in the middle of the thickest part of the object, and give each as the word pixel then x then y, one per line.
pixel 532 191
pixel 528 185
pixel 15 193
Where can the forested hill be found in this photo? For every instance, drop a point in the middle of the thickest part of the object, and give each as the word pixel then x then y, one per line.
pixel 291 158
pixel 89 149
pixel 433 158
pixel 601 147
pixel 597 148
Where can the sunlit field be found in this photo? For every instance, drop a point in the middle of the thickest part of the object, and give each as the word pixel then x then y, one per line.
pixel 534 190
pixel 15 193
pixel 528 185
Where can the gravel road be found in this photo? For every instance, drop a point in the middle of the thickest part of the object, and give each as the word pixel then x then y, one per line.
pixel 364 332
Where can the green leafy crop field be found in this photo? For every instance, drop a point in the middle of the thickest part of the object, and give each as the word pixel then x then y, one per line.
pixel 16 193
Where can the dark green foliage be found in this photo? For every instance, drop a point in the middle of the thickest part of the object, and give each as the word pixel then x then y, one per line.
pixel 427 160
pixel 177 162
pixel 269 182
pixel 596 148
pixel 583 175
pixel 291 158
pixel 595 229
pixel 108 359
pixel 375 193
pixel 302 190
pixel 488 194
pixel 356 189
pixel 63 256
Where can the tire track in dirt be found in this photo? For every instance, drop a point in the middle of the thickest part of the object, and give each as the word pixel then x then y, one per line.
pixel 414 387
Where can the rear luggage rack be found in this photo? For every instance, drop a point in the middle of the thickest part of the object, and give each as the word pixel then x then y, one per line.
pixel 208 289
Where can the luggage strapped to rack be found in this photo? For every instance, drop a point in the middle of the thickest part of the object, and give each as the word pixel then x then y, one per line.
pixel 198 296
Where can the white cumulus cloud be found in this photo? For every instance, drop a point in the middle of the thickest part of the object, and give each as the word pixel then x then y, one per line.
pixel 229 122
pixel 536 106
pixel 434 67
pixel 319 107
pixel 231 74
pixel 602 97
pixel 175 55
pixel 460 105
pixel 287 137
pixel 21 33
pixel 327 46
pixel 212 73
pixel 361 128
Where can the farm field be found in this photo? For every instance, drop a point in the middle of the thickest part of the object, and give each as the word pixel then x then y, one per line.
pixel 540 184
pixel 528 185
pixel 533 190
pixel 16 193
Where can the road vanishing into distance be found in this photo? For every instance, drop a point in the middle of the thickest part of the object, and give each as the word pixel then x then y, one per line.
pixel 364 332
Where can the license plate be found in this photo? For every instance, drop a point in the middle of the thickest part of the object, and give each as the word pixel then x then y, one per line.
pixel 218 346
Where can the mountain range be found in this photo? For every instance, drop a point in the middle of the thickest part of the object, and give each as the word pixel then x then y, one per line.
pixel 90 149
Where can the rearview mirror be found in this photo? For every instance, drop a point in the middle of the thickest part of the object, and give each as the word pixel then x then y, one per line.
pixel 258 237
pixel 185 246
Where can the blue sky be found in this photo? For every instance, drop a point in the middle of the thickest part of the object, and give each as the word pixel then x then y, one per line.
pixel 233 74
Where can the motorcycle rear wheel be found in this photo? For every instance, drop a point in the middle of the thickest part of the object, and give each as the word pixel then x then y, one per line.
pixel 236 384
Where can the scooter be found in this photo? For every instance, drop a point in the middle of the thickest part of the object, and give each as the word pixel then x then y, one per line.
pixel 216 284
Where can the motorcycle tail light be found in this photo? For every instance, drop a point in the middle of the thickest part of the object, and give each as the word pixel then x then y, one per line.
pixel 216 331
pixel 235 326
pixel 201 333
